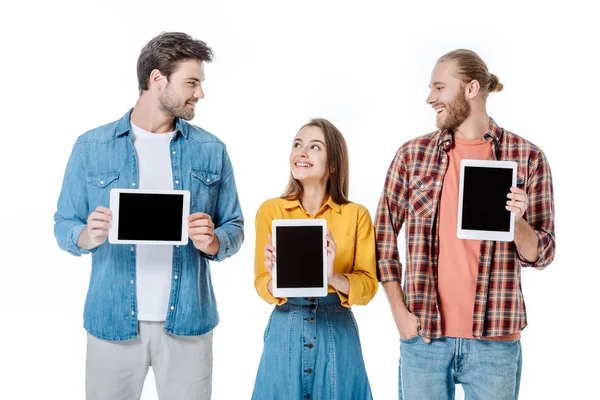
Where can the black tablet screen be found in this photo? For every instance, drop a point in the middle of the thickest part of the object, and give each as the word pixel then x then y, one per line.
pixel 145 216
pixel 299 256
pixel 484 199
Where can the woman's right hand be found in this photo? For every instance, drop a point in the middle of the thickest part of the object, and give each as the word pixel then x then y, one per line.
pixel 269 255
pixel 269 261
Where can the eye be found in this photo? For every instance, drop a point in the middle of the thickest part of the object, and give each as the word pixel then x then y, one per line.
pixel 191 83
pixel 315 147
pixel 296 145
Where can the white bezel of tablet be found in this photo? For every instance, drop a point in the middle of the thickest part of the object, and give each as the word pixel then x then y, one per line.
pixel 481 234
pixel 114 207
pixel 320 291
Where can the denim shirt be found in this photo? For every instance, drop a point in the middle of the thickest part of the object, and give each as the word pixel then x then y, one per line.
pixel 104 158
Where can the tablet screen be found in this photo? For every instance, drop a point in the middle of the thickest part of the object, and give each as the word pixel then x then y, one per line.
pixel 299 256
pixel 145 216
pixel 484 198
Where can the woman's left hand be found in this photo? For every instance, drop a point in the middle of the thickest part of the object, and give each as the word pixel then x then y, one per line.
pixel 331 246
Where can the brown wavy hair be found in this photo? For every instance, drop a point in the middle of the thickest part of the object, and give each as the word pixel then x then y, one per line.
pixel 337 164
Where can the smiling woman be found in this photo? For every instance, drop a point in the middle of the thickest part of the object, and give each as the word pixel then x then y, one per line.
pixel 320 334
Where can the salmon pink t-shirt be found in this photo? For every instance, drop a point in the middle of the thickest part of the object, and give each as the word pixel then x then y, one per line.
pixel 458 264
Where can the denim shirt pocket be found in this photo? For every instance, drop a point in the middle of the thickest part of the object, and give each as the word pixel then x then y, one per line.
pixel 99 185
pixel 205 189
pixel 421 196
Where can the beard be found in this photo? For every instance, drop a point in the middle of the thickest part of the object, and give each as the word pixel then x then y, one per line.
pixel 456 113
pixel 173 106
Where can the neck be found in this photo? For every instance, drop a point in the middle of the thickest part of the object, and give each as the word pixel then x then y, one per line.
pixel 474 127
pixel 313 197
pixel 147 115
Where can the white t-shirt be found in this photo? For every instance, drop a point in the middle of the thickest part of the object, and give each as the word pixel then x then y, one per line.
pixel 153 263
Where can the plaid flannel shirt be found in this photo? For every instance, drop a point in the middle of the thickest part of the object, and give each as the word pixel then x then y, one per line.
pixel 411 198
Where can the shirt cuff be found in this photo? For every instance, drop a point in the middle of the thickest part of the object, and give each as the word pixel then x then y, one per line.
pixel 73 237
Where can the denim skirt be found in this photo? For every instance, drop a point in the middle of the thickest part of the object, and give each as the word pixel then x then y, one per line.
pixel 312 351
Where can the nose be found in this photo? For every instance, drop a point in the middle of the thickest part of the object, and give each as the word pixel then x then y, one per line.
pixel 199 93
pixel 431 98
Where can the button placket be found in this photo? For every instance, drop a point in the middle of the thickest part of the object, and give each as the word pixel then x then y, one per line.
pixel 309 352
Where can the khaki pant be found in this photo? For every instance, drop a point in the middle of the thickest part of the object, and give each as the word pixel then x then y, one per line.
pixel 182 365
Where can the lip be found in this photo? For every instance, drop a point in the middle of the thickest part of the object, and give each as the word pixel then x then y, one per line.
pixel 305 164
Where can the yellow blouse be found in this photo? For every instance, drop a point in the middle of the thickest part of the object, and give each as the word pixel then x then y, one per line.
pixel 352 230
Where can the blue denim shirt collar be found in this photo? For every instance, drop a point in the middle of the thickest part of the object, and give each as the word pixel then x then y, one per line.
pixel 124 126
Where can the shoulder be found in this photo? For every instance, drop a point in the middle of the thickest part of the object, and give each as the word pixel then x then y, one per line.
pixel 355 210
pixel 101 134
pixel 269 207
pixel 201 135
pixel 419 145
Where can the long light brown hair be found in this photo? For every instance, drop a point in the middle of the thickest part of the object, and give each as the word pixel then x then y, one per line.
pixel 337 165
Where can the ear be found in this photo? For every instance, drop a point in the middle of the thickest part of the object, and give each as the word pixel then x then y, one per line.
pixel 156 79
pixel 472 89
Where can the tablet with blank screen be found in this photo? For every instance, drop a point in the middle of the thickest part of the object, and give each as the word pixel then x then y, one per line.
pixel 149 216
pixel 484 186
pixel 300 268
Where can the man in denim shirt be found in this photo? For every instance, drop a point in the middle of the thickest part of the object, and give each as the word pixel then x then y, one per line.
pixel 152 305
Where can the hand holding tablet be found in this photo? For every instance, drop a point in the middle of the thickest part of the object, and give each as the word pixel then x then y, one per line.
pixel 149 216
pixel 300 268
pixel 482 207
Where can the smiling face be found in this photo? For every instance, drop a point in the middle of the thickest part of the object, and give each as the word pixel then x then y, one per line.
pixel 447 96
pixel 308 159
pixel 183 90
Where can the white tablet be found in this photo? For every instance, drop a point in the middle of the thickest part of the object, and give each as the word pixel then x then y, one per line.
pixel 482 213
pixel 300 269
pixel 149 216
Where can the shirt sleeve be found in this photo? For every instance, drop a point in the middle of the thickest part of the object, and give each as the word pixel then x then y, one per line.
pixel 390 216
pixel 228 219
pixel 72 209
pixel 540 211
pixel 363 278
pixel 262 277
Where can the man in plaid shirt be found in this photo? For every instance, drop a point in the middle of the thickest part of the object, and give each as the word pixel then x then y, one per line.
pixel 460 310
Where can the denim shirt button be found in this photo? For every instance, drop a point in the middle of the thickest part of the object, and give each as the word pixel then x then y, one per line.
pixel 132 248
pixel 177 182
pixel 133 184
pixel 172 308
pixel 131 282
pixel 133 313
pixel 175 277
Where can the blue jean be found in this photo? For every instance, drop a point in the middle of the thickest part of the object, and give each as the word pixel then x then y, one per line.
pixel 312 351
pixel 487 369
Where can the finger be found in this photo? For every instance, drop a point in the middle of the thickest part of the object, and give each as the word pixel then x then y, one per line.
pixel 200 231
pixel 516 190
pixel 202 238
pixel 269 247
pixel 201 222
pixel 97 216
pixel 99 225
pixel 426 339
pixel 198 215
pixel 103 210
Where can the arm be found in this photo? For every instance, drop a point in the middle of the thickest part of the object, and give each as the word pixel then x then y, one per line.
pixel 534 209
pixel 262 277
pixel 360 285
pixel 72 208
pixel 228 221
pixel 389 219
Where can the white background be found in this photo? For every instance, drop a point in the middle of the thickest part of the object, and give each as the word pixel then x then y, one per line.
pixel 67 68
